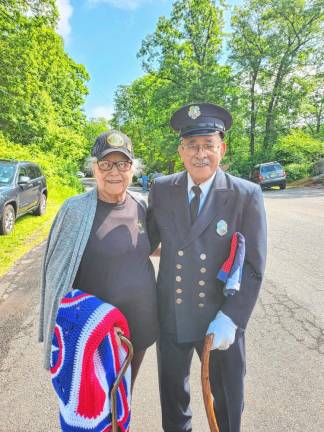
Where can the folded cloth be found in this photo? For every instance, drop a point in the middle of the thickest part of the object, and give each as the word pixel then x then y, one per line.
pixel 85 360
pixel 231 271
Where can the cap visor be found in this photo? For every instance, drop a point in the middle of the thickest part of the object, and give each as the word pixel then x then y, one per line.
pixel 115 150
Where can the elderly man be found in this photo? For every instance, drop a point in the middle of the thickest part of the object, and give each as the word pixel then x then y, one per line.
pixel 194 215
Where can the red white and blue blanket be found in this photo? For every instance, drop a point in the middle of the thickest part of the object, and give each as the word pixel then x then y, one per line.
pixel 85 360
pixel 231 271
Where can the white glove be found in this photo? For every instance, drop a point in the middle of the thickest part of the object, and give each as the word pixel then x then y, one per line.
pixel 224 330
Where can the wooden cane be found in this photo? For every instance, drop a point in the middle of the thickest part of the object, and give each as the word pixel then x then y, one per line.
pixel 207 395
pixel 117 381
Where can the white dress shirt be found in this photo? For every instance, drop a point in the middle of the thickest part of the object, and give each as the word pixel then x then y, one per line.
pixel 204 189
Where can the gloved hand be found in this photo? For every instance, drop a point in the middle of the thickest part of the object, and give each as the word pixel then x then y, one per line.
pixel 224 330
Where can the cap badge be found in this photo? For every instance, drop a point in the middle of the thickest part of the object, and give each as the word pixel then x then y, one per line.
pixel 194 112
pixel 115 140
pixel 221 227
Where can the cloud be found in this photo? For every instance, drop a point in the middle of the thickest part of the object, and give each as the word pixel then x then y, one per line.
pixel 105 111
pixel 121 4
pixel 65 11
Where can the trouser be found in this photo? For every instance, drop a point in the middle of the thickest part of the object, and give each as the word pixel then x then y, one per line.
pixel 227 370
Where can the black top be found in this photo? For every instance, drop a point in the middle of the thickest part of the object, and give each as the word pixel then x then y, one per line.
pixel 115 267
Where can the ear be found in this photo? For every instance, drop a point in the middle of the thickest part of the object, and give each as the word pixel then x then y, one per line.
pixel 181 151
pixel 223 149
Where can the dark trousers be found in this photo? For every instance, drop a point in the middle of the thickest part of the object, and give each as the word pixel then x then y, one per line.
pixel 227 370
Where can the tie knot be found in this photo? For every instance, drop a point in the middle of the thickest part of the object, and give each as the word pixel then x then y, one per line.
pixel 196 190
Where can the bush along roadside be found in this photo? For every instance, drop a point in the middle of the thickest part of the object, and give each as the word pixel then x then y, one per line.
pixel 30 231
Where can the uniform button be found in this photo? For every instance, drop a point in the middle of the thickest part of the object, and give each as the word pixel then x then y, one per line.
pixel 179 291
pixel 202 283
pixel 179 300
pixel 180 252
pixel 202 294
pixel 179 266
pixel 203 270
pixel 201 305
pixel 178 278
pixel 203 257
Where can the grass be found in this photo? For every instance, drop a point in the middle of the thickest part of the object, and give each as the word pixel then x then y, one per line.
pixel 29 230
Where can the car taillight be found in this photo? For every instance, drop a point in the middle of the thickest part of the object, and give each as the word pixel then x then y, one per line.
pixel 261 178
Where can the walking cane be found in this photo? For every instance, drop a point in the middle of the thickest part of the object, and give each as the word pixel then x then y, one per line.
pixel 120 375
pixel 207 395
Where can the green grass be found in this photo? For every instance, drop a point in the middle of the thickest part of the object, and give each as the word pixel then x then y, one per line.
pixel 29 230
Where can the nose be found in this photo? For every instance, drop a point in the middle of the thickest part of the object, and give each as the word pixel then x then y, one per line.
pixel 201 151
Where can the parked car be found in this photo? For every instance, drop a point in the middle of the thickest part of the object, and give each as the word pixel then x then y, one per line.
pixel 22 190
pixel 269 174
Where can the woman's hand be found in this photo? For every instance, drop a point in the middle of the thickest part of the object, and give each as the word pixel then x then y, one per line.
pixel 118 331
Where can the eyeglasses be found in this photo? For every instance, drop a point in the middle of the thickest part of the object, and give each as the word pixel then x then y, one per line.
pixel 107 165
pixel 194 148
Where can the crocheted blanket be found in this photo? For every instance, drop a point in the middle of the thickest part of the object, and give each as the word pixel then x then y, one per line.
pixel 85 360
pixel 231 271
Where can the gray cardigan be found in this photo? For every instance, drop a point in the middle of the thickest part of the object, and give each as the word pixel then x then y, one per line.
pixel 65 246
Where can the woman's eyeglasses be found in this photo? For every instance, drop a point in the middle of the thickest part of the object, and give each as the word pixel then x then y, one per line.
pixel 107 165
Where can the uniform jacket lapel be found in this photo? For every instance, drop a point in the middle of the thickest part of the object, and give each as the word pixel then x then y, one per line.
pixel 180 205
pixel 214 207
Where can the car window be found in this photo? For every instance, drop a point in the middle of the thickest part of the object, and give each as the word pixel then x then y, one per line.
pixel 270 168
pixel 7 173
pixel 31 173
pixel 22 171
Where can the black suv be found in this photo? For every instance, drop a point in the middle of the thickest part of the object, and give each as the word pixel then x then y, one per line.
pixel 269 174
pixel 22 190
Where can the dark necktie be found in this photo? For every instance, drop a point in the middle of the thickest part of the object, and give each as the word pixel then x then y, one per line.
pixel 194 203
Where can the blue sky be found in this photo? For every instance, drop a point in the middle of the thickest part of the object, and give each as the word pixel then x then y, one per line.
pixel 105 36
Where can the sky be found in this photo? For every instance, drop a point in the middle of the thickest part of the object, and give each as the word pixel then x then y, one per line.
pixel 105 36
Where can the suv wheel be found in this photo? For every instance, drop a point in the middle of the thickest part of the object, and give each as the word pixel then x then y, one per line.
pixel 282 186
pixel 41 208
pixel 8 220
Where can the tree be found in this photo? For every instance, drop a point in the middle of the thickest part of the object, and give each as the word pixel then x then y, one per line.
pixel 273 41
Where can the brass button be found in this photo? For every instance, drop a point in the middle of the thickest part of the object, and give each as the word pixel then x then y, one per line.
pixel 179 300
pixel 178 278
pixel 179 266
pixel 203 257
pixel 202 294
pixel 202 283
pixel 180 252
pixel 179 291
pixel 201 305
pixel 203 270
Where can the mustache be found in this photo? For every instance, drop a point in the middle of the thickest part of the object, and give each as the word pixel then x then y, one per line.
pixel 201 162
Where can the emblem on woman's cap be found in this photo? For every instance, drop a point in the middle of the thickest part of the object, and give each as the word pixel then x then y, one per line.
pixel 194 112
pixel 115 140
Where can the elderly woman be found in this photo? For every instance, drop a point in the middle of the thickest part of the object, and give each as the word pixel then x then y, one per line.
pixel 99 244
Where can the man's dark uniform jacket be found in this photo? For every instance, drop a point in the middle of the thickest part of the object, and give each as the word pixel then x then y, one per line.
pixel 189 293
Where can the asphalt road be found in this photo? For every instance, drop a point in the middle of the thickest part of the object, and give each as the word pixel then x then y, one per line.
pixel 285 337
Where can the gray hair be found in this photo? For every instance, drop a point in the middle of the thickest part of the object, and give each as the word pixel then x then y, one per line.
pixel 138 165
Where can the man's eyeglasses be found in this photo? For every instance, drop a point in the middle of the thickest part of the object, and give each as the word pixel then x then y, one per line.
pixel 107 165
pixel 194 148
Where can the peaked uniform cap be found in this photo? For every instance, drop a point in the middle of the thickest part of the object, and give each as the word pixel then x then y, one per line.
pixel 201 119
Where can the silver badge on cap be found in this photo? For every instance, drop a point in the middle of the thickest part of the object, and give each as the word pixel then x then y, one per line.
pixel 221 227
pixel 115 140
pixel 194 112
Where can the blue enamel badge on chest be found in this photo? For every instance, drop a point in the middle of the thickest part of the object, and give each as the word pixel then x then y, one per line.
pixel 221 227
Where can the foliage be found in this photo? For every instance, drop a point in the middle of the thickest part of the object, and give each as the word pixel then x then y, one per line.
pixel 296 171
pixel 298 148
